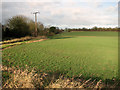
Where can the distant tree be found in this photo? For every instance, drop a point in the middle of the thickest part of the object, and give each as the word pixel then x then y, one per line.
pixel 31 25
pixel 40 29
pixel 84 29
pixel 95 28
pixel 52 29
pixel 40 26
pixel 66 29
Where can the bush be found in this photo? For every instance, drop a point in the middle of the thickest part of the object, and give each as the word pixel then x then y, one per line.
pixel 18 26
pixel 54 30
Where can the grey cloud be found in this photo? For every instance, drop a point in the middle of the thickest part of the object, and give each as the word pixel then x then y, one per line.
pixel 61 14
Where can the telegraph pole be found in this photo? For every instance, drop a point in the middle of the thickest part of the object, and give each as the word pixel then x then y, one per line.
pixel 36 23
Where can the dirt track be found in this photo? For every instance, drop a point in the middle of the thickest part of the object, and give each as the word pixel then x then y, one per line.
pixel 36 41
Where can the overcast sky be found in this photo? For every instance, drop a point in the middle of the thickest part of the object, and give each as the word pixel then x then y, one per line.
pixel 67 13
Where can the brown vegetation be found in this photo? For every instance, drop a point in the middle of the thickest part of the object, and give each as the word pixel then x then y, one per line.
pixel 31 79
pixel 19 41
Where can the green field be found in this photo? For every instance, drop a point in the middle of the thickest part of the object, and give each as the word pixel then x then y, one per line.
pixel 92 54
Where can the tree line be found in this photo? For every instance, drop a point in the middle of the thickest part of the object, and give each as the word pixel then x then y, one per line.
pixel 21 26
pixel 116 29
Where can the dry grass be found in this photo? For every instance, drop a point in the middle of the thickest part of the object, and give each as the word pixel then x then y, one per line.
pixel 73 83
pixel 19 41
pixel 23 79
pixel 22 39
pixel 31 79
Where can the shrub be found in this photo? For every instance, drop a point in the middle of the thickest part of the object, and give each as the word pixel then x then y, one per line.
pixel 18 26
pixel 54 30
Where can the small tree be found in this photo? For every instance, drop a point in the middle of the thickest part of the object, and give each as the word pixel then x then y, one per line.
pixel 95 28
pixel 31 24
pixel 18 25
pixel 40 27
pixel 54 30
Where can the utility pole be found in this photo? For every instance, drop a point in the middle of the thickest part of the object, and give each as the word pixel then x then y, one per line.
pixel 36 23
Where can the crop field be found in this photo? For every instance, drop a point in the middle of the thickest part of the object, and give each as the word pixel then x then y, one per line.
pixel 92 54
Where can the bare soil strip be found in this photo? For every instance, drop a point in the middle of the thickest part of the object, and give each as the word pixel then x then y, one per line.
pixel 36 41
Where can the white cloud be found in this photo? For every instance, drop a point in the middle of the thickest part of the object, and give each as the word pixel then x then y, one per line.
pixel 64 14
pixel 59 0
pixel 112 9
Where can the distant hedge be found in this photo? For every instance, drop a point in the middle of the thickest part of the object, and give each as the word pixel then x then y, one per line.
pixel 94 29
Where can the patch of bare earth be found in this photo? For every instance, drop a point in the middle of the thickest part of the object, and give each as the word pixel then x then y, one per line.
pixel 36 41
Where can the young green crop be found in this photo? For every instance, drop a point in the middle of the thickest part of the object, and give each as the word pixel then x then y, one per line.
pixel 71 54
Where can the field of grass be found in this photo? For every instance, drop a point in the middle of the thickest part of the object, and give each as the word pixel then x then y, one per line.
pixel 92 54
